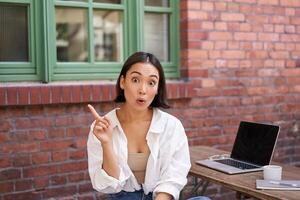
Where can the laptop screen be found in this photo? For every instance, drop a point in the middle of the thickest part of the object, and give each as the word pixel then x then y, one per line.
pixel 255 142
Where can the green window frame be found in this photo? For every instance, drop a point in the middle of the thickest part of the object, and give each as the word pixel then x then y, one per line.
pixel 43 65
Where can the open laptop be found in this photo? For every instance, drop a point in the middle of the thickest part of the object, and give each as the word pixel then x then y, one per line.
pixel 253 148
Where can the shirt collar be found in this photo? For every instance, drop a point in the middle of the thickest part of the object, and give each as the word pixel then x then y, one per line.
pixel 112 115
pixel 157 122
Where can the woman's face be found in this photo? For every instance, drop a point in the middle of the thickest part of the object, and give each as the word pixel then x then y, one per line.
pixel 140 85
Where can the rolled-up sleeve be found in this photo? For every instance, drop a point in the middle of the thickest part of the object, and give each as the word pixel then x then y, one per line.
pixel 175 163
pixel 101 181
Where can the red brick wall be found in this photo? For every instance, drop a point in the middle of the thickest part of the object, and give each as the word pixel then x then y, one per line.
pixel 242 60
pixel 243 57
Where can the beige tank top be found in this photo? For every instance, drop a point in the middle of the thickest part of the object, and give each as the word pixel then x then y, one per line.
pixel 138 163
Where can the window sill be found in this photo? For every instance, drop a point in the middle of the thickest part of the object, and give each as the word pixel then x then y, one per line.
pixel 75 92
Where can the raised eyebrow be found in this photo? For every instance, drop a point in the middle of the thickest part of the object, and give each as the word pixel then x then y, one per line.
pixel 136 72
pixel 153 75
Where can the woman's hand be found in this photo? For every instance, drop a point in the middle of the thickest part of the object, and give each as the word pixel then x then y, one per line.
pixel 103 127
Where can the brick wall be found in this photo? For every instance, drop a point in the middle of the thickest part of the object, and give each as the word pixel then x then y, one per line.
pixel 43 151
pixel 242 60
pixel 243 57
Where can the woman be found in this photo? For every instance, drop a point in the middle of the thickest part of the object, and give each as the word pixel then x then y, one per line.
pixel 137 151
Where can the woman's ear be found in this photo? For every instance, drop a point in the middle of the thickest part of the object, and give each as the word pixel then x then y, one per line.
pixel 122 82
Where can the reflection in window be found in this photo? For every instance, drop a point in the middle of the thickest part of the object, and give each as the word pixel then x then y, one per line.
pixel 107 35
pixel 71 34
pixel 13 33
pixel 164 3
pixel 156 29
pixel 108 1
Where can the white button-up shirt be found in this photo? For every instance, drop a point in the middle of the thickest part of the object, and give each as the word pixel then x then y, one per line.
pixel 167 166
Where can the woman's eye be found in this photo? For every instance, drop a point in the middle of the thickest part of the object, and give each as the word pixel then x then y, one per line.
pixel 152 83
pixel 134 80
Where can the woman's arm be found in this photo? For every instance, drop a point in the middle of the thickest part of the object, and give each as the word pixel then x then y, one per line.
pixel 110 164
pixel 107 173
pixel 103 131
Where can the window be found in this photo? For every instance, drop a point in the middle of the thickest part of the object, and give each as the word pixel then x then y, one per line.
pixel 156 28
pixel 84 39
pixel 14 26
pixel 18 48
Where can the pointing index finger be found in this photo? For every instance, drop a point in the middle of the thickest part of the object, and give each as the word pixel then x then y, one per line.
pixel 94 112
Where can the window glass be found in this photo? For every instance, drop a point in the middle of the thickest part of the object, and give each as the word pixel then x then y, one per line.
pixel 71 35
pixel 156 29
pixel 164 3
pixel 107 35
pixel 14 45
pixel 108 1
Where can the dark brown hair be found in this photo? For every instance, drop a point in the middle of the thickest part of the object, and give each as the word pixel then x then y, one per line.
pixel 160 100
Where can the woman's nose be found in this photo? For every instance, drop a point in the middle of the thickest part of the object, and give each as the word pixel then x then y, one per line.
pixel 142 89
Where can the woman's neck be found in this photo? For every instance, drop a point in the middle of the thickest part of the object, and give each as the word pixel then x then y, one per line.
pixel 127 114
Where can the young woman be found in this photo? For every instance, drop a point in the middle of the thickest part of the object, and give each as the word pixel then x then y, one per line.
pixel 137 151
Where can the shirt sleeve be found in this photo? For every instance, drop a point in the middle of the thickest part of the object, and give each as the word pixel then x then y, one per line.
pixel 175 164
pixel 101 181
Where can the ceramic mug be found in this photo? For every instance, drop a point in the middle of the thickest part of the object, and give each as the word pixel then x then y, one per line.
pixel 272 172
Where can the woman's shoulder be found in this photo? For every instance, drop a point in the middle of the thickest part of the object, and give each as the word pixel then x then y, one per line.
pixel 167 116
pixel 170 125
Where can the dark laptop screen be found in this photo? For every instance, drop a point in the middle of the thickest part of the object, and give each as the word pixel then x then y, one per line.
pixel 255 142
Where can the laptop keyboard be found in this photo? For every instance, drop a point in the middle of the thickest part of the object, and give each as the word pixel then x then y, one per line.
pixel 236 164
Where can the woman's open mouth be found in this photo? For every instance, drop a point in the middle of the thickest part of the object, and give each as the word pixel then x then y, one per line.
pixel 141 101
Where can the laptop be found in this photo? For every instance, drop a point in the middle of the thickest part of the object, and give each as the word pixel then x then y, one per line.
pixel 253 148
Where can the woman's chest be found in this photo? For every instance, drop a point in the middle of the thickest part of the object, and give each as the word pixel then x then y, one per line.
pixel 136 136
pixel 137 129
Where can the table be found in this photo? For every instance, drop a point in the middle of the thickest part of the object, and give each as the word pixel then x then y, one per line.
pixel 243 184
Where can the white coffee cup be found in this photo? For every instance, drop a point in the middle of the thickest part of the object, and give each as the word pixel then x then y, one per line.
pixel 272 172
